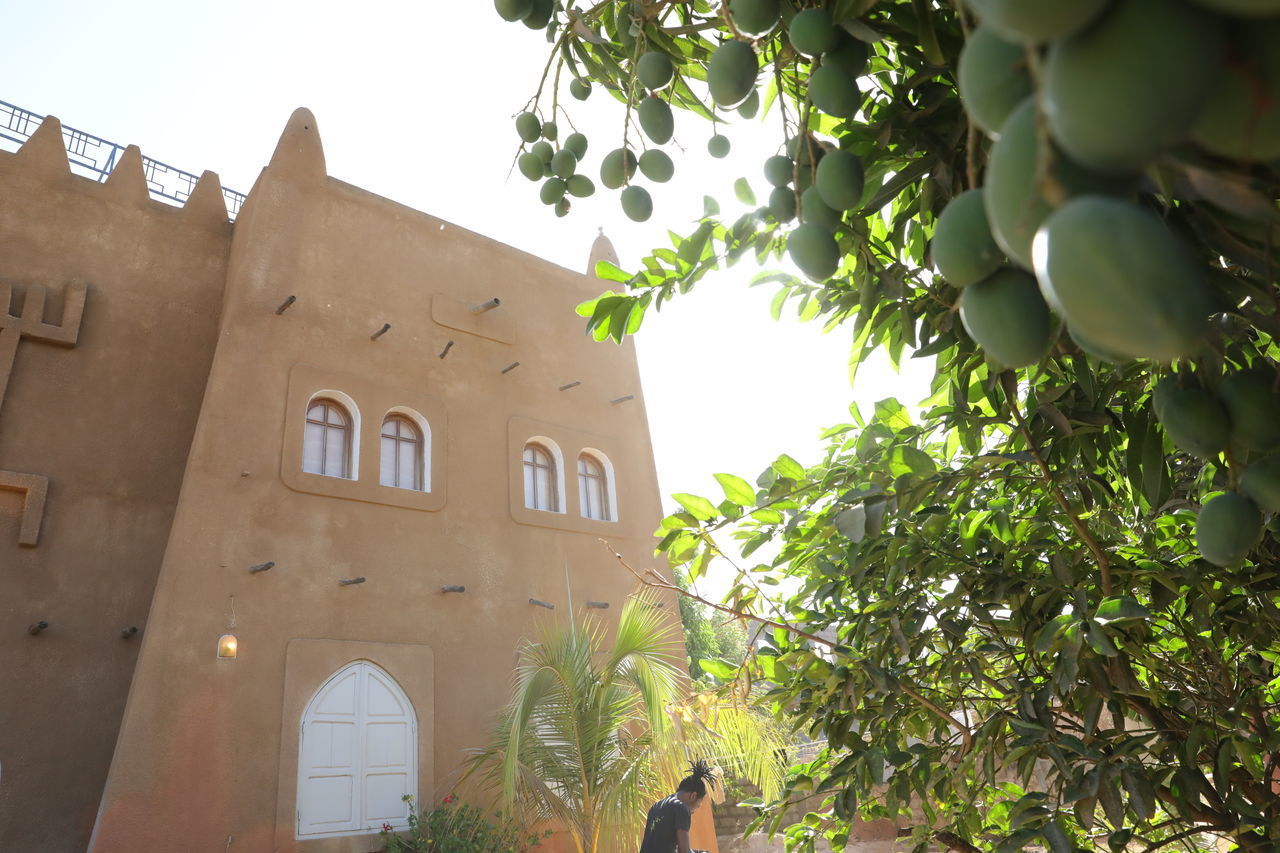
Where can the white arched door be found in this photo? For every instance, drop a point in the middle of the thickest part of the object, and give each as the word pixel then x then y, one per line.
pixel 357 757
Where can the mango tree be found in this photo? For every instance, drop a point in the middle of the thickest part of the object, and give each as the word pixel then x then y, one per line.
pixel 1044 611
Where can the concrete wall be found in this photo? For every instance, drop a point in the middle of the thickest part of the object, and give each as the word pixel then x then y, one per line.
pixel 216 741
pixel 105 412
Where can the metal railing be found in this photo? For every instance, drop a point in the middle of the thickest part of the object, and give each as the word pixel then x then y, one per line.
pixel 95 157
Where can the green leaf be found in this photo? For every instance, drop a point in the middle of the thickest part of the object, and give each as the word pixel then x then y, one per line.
pixel 788 467
pixel 852 523
pixel 742 190
pixel 1099 641
pixel 1119 609
pixel 721 669
pixel 1056 837
pixel 609 272
pixel 699 507
pixel 736 489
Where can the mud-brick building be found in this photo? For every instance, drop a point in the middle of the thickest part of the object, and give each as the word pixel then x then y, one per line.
pixel 278 498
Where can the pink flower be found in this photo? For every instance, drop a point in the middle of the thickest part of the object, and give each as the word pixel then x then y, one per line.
pixel 386 827
pixel 449 799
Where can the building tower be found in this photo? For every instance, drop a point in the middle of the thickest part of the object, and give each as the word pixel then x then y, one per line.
pixel 332 461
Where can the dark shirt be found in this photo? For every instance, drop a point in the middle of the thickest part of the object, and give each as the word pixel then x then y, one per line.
pixel 665 817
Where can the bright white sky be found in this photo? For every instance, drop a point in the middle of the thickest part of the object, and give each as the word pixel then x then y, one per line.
pixel 415 101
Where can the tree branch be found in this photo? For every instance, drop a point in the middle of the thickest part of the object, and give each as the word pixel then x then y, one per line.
pixel 651 578
pixel 1009 382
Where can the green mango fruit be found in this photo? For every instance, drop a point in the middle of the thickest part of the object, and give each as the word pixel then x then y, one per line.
pixel 850 53
pixel 564 163
pixel 528 127
pixel 964 252
pixel 513 10
pixel 1242 118
pixel 731 73
pixel 1227 528
pixel 782 203
pixel 814 209
pixel 839 178
pixel 992 78
pixel 543 150
pixel 1118 275
pixel 754 17
pixel 654 70
pixel 530 165
pixel 1015 191
pixel 1006 316
pixel 833 91
pixel 656 166
pixel 1253 407
pixel 1261 482
pixel 577 143
pixel 618 166
pixel 1130 87
pixel 656 120
pixel 812 32
pixel 636 203
pixel 553 189
pixel 539 14
pixel 1035 21
pixel 778 170
pixel 814 250
pixel 1195 421
pixel 580 186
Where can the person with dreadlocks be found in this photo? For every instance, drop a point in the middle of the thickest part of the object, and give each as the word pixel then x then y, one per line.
pixel 667 828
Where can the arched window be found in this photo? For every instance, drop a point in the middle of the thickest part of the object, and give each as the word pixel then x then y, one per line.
pixel 326 445
pixel 357 755
pixel 402 454
pixel 593 489
pixel 540 479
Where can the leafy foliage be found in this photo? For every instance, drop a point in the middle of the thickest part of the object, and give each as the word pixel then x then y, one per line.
pixel 707 638
pixel 453 827
pixel 997 611
pixel 593 734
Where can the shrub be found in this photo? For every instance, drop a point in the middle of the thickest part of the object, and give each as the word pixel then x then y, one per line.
pixel 452 827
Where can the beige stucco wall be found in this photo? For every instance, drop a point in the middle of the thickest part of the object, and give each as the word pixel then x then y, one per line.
pixel 214 740
pixel 108 422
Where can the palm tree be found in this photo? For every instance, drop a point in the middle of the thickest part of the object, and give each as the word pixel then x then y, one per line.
pixel 592 735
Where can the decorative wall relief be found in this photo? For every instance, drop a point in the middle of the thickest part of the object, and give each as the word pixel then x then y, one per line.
pixel 29 323
pixel 36 489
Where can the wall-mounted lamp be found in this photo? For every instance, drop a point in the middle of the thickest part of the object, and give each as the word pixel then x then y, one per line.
pixel 618 400
pixel 386 327
pixel 228 647
pixel 569 385
pixel 284 306
pixel 598 605
pixel 36 627
pixel 510 367
pixel 129 633
pixel 486 306
pixel 262 567
pixel 350 581
pixel 542 604
pixel 446 349
pixel 453 587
